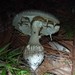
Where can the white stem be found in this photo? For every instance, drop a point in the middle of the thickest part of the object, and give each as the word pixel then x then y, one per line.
pixel 51 37
pixel 34 39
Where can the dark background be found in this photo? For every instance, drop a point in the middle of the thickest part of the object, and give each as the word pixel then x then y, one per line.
pixel 64 10
pixel 46 5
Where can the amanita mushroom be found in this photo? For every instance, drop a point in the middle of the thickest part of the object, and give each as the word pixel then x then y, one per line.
pixel 35 24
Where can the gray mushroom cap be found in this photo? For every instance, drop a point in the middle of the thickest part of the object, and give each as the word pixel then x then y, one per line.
pixel 26 27
pixel 33 13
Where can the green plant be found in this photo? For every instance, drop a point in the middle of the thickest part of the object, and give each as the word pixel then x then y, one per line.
pixel 9 62
pixel 9 55
pixel 12 70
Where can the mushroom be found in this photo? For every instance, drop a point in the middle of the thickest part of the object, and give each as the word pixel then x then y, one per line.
pixel 35 24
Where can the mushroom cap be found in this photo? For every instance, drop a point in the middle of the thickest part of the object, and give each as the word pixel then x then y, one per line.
pixel 24 20
pixel 32 13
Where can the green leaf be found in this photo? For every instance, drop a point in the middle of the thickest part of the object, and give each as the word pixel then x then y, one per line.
pixel 23 72
pixel 3 71
pixel 8 66
pixel 5 47
pixel 14 53
pixel 3 53
pixel 2 65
